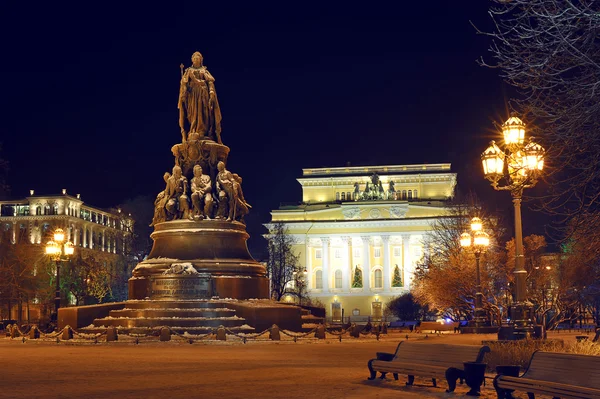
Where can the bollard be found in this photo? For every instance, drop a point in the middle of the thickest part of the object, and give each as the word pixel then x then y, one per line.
pixel 221 335
pixel 320 332
pixel 67 333
pixel 165 334
pixel 274 333
pixel 111 334
pixel 34 333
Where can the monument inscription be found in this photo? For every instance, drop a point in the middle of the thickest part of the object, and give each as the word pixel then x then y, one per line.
pixel 181 287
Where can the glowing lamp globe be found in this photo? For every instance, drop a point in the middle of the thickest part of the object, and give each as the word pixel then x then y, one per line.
pixel 514 131
pixel 493 161
pixel 534 156
pixel 465 240
pixel 52 248
pixel 481 239
pixel 476 224
pixel 59 235
pixel 69 248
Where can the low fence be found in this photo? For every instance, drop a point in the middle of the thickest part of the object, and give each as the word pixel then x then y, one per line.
pixel 166 333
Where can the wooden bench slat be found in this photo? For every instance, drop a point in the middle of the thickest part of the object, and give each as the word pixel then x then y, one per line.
pixel 563 375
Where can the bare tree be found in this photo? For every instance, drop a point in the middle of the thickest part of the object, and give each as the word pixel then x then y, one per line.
pixel 283 264
pixel 445 279
pixel 550 51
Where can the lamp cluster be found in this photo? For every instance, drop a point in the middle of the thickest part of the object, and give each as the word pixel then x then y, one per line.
pixel 524 161
pixel 479 239
pixel 55 248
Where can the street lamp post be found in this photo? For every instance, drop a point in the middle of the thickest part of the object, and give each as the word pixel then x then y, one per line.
pixel 514 168
pixel 59 252
pixel 479 241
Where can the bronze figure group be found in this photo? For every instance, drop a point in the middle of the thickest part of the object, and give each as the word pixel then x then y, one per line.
pixel 212 193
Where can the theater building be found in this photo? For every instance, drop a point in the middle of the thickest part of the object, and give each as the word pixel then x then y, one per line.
pixel 359 231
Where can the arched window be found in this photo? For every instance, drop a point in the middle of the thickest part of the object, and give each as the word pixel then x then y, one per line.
pixel 337 196
pixel 343 196
pixel 38 210
pixel 47 210
pixel 338 279
pixel 378 274
pixel 415 194
pixel 319 280
pixel 55 209
pixel 403 194
pixel 348 196
pixel 409 194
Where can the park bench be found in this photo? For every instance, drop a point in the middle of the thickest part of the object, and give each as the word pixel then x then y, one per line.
pixel 433 361
pixel 560 375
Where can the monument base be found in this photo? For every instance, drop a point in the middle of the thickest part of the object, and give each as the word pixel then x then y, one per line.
pixel 199 259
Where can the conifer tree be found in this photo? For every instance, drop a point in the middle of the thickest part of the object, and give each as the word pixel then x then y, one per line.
pixel 357 282
pixel 397 279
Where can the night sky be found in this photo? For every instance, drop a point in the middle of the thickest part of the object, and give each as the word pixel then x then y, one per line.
pixel 89 95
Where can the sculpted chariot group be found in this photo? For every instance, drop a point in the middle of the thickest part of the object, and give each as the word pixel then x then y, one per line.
pixel 211 192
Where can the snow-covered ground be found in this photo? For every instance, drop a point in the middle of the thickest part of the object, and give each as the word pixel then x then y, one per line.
pixel 309 368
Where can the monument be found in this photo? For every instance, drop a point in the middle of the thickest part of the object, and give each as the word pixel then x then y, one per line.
pixel 199 274
pixel 199 233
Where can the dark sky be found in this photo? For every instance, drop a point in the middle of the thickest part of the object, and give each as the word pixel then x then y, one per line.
pixel 89 95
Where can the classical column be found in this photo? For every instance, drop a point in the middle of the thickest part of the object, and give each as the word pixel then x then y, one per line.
pixel 75 236
pixel 307 264
pixel 325 262
pixel 91 238
pixel 406 259
pixel 347 271
pixel 85 237
pixel 14 232
pixel 103 240
pixel 366 267
pixel 386 263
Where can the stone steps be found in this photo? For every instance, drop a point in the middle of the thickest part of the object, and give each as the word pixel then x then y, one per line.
pixel 193 316
pixel 154 312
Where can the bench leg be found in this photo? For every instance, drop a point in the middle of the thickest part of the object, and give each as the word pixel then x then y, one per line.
pixel 434 382
pixel 411 380
pixel 382 377
pixel 371 371
pixel 453 374
pixel 530 395
pixel 396 376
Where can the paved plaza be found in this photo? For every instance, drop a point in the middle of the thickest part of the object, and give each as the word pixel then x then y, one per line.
pixel 309 368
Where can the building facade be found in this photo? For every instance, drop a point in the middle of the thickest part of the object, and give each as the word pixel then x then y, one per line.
pixel 35 217
pixel 102 234
pixel 359 231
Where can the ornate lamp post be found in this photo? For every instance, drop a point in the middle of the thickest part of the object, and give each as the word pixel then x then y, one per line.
pixel 514 168
pixel 59 252
pixel 479 241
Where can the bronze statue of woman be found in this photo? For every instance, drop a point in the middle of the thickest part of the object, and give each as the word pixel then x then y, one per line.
pixel 199 110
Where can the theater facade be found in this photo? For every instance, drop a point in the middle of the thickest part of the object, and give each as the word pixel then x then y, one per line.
pixel 359 232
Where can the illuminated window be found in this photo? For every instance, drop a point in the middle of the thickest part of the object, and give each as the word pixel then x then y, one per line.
pixel 378 278
pixel 343 196
pixel 348 196
pixel 318 254
pixel 377 252
pixel 338 279
pixel 397 251
pixel 337 196
pixel 319 280
pixel 338 253
pixel 415 194
pixel 403 194
pixel 409 194
pixel 357 252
